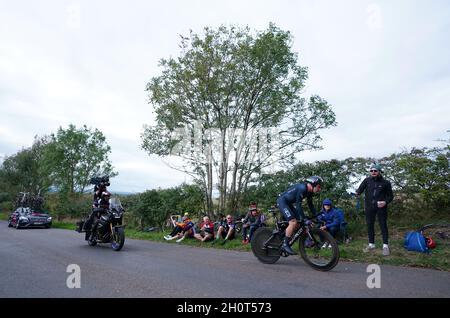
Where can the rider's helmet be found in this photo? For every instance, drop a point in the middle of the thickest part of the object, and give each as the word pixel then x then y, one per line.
pixel 430 242
pixel 314 180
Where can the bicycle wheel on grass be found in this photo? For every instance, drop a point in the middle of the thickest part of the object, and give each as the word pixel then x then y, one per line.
pixel 439 232
pixel 319 249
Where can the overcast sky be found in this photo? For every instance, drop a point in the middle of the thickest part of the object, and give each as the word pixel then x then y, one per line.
pixel 384 66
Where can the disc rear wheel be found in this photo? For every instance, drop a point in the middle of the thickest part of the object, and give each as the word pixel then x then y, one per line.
pixel 266 251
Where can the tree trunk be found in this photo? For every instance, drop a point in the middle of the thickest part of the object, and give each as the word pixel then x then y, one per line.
pixel 223 172
pixel 233 193
pixel 209 177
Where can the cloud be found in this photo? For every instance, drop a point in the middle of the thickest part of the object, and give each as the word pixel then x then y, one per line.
pixel 374 19
pixel 73 19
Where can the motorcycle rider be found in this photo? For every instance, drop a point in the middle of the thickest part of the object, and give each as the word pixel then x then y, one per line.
pixel 294 195
pixel 99 205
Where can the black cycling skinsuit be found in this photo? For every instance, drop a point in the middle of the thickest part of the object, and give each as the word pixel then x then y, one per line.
pixel 376 189
pixel 295 194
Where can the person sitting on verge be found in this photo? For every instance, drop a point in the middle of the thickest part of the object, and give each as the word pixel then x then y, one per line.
pixel 206 230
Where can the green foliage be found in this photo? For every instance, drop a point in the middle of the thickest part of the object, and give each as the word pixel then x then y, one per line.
pixel 421 181
pixel 5 196
pixel 149 209
pixel 23 171
pixel 71 205
pixel 153 207
pixel 6 206
pixel 74 156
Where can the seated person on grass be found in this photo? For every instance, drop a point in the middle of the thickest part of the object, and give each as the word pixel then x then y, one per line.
pixel 226 230
pixel 252 221
pixel 206 230
pixel 186 229
pixel 178 225
pixel 331 218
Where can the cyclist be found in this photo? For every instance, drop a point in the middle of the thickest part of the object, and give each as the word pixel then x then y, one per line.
pixel 294 195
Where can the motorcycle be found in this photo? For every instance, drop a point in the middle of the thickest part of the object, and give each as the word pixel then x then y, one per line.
pixel 109 226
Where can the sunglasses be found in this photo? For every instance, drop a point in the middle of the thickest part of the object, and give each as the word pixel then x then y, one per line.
pixel 373 170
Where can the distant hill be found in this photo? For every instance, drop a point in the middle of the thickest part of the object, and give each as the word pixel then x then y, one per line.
pixel 123 193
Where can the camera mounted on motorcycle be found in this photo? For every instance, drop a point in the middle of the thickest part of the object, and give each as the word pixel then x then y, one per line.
pixel 100 181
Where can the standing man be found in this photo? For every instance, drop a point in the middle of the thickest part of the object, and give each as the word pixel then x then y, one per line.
pixel 378 194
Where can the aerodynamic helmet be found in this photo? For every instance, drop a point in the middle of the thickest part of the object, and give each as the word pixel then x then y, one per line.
pixel 314 180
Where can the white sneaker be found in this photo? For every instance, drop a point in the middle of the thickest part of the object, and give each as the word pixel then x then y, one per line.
pixel 368 248
pixel 386 251
pixel 166 237
pixel 325 245
pixel 179 240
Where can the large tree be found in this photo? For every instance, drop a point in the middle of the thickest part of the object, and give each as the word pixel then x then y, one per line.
pixel 231 105
pixel 75 155
pixel 23 171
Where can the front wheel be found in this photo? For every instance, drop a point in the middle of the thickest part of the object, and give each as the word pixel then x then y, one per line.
pixel 266 245
pixel 118 239
pixel 92 242
pixel 319 249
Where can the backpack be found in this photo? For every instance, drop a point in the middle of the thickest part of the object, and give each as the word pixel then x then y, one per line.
pixel 415 241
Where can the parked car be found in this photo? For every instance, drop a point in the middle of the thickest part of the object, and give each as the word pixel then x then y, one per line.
pixel 25 217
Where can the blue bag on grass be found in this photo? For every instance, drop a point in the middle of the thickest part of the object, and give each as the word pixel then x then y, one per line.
pixel 415 241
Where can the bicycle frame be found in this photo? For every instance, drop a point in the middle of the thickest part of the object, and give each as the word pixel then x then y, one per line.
pixel 280 231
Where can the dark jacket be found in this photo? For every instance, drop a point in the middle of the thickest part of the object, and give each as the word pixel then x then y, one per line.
pixel 253 220
pixel 295 195
pixel 375 189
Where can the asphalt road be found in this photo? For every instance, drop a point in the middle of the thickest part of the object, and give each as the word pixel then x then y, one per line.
pixel 33 263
